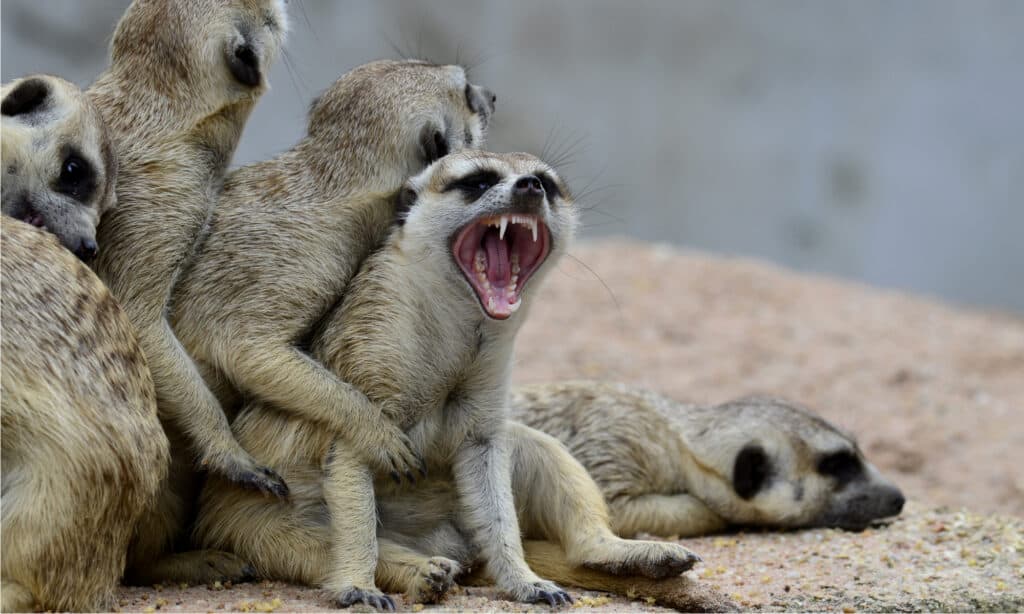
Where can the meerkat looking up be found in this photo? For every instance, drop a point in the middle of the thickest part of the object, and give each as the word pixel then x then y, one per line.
pixel 668 468
pixel 183 79
pixel 287 235
pixel 83 451
pixel 59 164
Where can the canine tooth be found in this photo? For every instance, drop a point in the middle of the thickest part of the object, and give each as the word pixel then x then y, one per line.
pixel 504 225
pixel 512 308
pixel 533 227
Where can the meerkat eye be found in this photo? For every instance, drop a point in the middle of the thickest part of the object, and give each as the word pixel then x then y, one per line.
pixel 76 179
pixel 843 466
pixel 474 185
pixel 550 187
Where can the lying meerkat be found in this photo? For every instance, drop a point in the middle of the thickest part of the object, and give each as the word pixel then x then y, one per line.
pixel 183 79
pixel 667 468
pixel 59 164
pixel 83 453
pixel 426 331
pixel 288 234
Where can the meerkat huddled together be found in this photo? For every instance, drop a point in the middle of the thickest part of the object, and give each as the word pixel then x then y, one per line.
pixel 299 369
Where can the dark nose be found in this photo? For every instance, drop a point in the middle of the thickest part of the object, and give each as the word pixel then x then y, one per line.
pixel 491 98
pixel 245 65
pixel 87 250
pixel 894 502
pixel 529 185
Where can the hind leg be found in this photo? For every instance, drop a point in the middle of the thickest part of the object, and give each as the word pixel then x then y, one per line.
pixel 666 515
pixel 150 556
pixel 423 579
pixel 559 501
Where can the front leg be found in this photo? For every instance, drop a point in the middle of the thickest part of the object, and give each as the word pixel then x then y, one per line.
pixel 351 505
pixel 484 483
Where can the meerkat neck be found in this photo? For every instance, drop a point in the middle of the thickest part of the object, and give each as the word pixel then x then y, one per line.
pixel 344 168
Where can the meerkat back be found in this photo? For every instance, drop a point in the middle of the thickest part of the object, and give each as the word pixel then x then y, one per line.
pixel 83 450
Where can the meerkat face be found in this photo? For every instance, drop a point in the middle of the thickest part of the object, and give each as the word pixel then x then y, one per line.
pixel 59 164
pixel 210 51
pixel 781 465
pixel 404 114
pixel 500 216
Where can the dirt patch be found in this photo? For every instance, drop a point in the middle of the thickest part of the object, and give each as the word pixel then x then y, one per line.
pixel 934 394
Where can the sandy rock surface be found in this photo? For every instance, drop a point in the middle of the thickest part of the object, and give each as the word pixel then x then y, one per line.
pixel 934 394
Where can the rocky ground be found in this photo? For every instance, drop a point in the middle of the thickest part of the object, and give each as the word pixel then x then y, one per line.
pixel 934 394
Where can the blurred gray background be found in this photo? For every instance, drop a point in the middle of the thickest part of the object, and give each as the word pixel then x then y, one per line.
pixel 877 140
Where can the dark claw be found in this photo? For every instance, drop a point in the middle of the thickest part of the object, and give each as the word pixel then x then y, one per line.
pixel 248 574
pixel 550 598
pixel 423 468
pixel 397 478
pixel 409 476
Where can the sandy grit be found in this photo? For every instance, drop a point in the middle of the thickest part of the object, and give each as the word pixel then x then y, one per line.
pixel 934 394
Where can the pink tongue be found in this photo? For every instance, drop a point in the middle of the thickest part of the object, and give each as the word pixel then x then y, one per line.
pixel 499 273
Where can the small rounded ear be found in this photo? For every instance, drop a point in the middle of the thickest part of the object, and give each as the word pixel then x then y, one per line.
pixel 751 471
pixel 433 144
pixel 27 97
pixel 404 201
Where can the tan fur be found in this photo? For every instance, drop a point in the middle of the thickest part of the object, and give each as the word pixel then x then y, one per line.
pixel 411 334
pixel 288 234
pixel 668 468
pixel 183 79
pixel 59 167
pixel 83 450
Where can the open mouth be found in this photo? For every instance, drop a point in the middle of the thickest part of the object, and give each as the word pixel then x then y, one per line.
pixel 498 254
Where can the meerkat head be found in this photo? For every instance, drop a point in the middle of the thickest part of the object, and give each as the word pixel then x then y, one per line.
pixel 778 464
pixel 204 53
pixel 59 164
pixel 398 117
pixel 501 217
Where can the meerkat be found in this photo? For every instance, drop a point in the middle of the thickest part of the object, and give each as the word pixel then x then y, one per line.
pixel 83 452
pixel 672 469
pixel 288 234
pixel 59 164
pixel 183 79
pixel 426 331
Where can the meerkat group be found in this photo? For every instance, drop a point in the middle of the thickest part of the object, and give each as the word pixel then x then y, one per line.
pixel 299 369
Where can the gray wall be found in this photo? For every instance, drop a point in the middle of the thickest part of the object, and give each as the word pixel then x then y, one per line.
pixel 879 140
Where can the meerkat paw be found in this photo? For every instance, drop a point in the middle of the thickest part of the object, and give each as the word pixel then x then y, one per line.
pixel 437 576
pixel 542 592
pixel 650 559
pixel 372 597
pixel 394 456
pixel 242 470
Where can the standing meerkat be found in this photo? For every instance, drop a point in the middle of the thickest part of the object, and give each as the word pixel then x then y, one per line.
pixel 426 331
pixel 59 164
pixel 83 453
pixel 183 79
pixel 288 234
pixel 667 468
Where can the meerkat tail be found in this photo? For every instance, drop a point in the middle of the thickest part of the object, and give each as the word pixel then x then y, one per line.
pixel 679 593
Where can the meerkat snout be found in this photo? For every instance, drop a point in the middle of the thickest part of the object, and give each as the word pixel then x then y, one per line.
pixel 244 65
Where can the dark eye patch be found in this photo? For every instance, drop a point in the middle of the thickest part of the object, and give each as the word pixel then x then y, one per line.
pixel 475 184
pixel 77 177
pixel 550 187
pixel 28 97
pixel 844 466
pixel 751 471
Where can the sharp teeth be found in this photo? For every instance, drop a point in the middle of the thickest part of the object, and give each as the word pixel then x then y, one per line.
pixel 480 262
pixel 490 303
pixel 515 264
pixel 533 227
pixel 512 308
pixel 504 224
